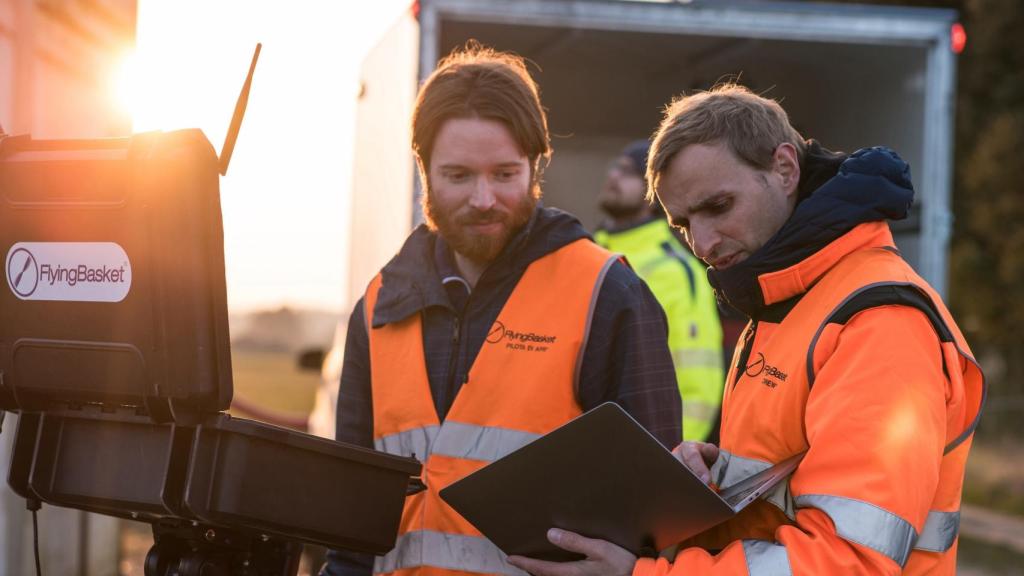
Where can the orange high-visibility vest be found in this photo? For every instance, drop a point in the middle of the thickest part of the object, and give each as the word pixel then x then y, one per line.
pixel 844 510
pixel 521 386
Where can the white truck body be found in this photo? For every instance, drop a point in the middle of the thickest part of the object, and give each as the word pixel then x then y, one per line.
pixel 850 76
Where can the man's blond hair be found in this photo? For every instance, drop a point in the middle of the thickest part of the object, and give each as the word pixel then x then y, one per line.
pixel 750 125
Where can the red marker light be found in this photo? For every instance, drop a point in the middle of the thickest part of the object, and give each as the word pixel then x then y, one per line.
pixel 957 38
pixel 415 9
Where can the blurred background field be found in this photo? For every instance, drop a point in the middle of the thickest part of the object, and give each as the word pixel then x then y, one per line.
pixel 995 477
pixel 267 348
pixel 273 383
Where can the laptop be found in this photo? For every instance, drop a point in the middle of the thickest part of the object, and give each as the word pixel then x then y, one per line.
pixel 604 476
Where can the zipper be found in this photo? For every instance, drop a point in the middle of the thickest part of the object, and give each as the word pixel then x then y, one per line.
pixel 748 344
pixel 741 368
pixel 453 357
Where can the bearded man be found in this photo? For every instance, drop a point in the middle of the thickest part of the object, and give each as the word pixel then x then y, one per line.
pixel 498 321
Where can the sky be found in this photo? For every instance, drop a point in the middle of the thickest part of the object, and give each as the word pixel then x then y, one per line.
pixel 285 198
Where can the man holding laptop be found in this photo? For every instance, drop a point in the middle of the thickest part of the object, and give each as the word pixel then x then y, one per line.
pixel 498 320
pixel 849 356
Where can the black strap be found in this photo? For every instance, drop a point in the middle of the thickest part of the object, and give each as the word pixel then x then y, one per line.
pixel 873 297
pixel 899 294
pixel 888 295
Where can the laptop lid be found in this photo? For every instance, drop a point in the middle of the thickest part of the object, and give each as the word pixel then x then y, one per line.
pixel 601 475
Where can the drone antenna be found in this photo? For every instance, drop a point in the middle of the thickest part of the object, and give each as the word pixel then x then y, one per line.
pixel 236 118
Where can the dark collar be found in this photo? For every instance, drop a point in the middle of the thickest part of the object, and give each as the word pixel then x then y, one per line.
pixel 412 280
pixel 872 184
pixel 455 285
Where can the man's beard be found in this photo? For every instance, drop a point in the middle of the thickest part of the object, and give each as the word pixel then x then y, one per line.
pixel 479 248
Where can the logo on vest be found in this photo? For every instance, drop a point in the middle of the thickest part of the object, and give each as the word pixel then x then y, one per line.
pixel 772 375
pixel 519 341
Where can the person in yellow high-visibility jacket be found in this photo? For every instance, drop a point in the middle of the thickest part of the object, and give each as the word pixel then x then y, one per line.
pixel 678 281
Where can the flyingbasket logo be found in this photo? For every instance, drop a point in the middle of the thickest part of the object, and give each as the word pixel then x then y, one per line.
pixel 22 273
pixel 496 333
pixel 514 340
pixel 772 374
pixel 69 271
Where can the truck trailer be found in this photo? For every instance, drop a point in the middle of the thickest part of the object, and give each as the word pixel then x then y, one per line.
pixel 850 76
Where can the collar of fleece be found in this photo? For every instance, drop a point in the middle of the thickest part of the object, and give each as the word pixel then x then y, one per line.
pixel 837 193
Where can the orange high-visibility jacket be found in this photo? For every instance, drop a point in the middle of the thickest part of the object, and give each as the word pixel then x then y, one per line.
pixel 871 377
pixel 521 386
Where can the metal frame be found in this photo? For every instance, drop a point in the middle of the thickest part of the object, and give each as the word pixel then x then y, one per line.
pixel 928 28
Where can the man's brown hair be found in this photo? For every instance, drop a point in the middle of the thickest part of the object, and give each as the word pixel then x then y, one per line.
pixel 480 82
pixel 750 125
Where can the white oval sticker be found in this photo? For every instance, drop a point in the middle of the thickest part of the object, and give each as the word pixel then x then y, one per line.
pixel 69 271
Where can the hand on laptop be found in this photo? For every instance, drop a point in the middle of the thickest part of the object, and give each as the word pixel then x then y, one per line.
pixel 698 457
pixel 603 558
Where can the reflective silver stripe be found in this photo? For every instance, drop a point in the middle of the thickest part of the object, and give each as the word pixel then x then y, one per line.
pixel 766 558
pixel 486 443
pixel 598 283
pixel 865 524
pixel 693 409
pixel 457 440
pixel 782 498
pixel 730 469
pixel 448 551
pixel 416 441
pixel 939 532
pixel 696 358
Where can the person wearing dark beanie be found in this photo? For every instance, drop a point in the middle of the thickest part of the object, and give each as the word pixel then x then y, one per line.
pixel 678 281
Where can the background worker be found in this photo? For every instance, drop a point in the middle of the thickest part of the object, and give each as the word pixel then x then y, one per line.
pixel 850 356
pixel 497 321
pixel 678 280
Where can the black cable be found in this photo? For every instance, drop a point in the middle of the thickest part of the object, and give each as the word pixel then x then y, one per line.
pixel 34 506
pixel 35 541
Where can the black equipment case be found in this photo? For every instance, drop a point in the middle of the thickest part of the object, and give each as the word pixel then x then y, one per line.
pixel 114 347
pixel 152 199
